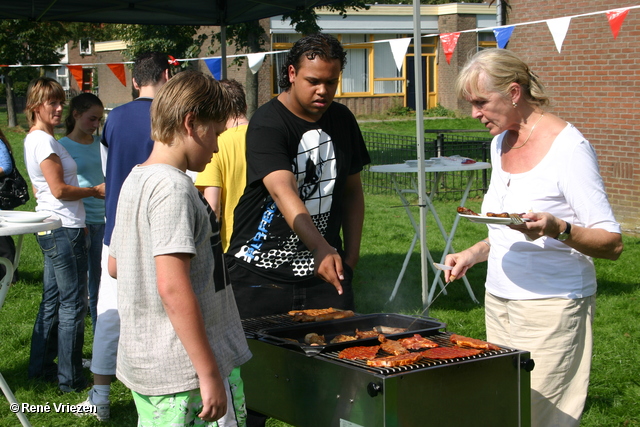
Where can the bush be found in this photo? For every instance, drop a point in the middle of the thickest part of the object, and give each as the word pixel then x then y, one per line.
pixel 439 111
pixel 400 111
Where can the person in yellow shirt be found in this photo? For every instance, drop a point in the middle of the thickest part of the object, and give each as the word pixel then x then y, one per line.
pixel 223 180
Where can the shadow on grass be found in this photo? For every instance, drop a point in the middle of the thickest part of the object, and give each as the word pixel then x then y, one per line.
pixel 376 275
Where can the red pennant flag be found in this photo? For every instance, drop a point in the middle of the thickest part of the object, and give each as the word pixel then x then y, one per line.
pixel 76 72
pixel 118 70
pixel 616 18
pixel 449 42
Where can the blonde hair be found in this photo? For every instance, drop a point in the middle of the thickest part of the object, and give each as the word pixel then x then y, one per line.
pixel 187 92
pixel 41 90
pixel 500 68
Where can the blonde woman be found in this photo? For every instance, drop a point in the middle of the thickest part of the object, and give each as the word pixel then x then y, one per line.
pixel 59 326
pixel 541 281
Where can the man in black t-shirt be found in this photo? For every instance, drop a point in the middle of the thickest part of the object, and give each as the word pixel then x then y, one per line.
pixel 303 194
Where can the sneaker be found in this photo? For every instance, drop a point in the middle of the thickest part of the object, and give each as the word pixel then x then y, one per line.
pixel 102 412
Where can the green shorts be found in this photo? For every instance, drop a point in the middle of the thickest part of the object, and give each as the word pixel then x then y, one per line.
pixel 182 409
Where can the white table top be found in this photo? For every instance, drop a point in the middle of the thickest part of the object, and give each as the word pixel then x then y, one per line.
pixel 14 228
pixel 445 166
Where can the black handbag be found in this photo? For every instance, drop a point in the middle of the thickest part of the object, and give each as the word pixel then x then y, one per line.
pixel 14 190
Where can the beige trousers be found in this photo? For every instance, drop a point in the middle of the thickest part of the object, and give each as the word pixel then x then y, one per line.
pixel 558 334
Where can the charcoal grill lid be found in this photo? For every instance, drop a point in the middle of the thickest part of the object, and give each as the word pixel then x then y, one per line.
pixel 284 335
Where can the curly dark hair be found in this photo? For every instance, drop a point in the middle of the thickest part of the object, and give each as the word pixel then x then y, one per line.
pixel 322 45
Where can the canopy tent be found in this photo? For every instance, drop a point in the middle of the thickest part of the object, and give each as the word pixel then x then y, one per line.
pixel 219 13
pixel 158 12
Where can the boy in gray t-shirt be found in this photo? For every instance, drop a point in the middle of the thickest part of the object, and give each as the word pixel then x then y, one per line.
pixel 180 333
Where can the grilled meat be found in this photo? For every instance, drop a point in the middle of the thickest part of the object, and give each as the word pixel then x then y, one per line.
pixel 394 361
pixel 459 340
pixel 391 346
pixel 417 342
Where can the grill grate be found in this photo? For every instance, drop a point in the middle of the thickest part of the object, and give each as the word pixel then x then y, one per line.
pixel 442 340
pixel 254 325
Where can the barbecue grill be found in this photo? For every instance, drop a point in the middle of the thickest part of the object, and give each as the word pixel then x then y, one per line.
pixel 286 381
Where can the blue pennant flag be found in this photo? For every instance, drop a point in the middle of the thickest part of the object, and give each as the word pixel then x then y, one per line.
pixel 215 66
pixel 503 35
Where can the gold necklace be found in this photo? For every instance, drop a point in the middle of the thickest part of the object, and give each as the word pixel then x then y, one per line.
pixel 526 140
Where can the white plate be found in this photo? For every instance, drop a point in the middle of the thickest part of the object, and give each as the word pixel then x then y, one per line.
pixel 487 219
pixel 17 216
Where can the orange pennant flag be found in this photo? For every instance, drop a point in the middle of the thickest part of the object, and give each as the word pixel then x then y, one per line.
pixel 118 70
pixel 76 72
pixel 449 41
pixel 616 18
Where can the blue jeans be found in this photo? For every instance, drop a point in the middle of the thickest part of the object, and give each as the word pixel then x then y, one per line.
pixel 59 326
pixel 94 250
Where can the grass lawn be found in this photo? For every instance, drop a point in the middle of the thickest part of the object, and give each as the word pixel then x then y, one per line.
pixel 614 392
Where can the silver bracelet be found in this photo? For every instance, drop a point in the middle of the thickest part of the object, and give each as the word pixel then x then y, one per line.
pixel 486 242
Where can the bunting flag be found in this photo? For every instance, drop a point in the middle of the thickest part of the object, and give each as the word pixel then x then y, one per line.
pixel 215 67
pixel 255 61
pixel 559 28
pixel 503 34
pixel 76 72
pixel 616 18
pixel 118 70
pixel 449 42
pixel 399 50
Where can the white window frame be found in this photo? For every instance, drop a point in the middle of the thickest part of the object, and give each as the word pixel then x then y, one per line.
pixel 84 46
pixel 62 76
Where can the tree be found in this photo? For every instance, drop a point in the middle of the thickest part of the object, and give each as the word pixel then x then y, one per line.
pixel 179 41
pixel 250 37
pixel 27 42
pixel 428 1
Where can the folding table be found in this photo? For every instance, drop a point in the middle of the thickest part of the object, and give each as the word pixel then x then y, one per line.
pixel 18 229
pixel 443 166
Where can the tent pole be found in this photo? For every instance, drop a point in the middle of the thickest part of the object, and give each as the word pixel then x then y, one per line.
pixel 418 85
pixel 223 50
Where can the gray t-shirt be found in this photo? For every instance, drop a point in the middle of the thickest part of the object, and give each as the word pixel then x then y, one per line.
pixel 160 212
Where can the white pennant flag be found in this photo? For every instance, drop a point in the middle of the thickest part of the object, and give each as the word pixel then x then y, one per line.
pixel 255 61
pixel 559 28
pixel 399 50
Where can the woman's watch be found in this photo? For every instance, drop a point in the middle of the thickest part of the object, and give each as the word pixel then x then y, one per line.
pixel 565 234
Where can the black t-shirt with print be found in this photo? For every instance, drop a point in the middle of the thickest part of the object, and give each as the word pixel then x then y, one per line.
pixel 321 156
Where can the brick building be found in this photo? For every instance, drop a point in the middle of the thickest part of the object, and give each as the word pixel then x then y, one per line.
pixel 594 83
pixel 371 83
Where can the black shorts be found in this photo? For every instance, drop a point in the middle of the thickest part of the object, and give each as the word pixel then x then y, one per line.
pixel 257 296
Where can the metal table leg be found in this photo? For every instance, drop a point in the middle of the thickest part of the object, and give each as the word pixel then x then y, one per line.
pixel 405 205
pixel 5 283
pixel 449 239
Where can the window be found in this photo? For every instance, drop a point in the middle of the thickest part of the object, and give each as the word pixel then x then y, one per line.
pixel 62 76
pixel 387 77
pixel 363 56
pixel 64 51
pixel 84 45
pixel 486 40
pixel 355 76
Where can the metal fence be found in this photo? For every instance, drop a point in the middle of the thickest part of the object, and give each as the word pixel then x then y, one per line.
pixel 389 149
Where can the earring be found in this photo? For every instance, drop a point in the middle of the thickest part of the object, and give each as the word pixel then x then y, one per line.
pixel 514 104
